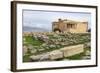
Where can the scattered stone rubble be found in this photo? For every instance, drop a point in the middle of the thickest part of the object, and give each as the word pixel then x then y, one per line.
pixel 25 49
pixel 53 40
pixel 61 53
pixel 56 54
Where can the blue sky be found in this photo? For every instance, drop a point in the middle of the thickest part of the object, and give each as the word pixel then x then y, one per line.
pixel 44 19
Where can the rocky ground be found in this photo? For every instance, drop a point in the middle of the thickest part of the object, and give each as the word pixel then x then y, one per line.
pixel 40 44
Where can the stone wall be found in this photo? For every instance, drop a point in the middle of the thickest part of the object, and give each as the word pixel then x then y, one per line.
pixel 72 50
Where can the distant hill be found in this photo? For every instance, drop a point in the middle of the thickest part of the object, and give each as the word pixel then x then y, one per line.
pixel 34 29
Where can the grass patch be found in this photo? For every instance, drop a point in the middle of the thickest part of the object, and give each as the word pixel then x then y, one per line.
pixel 26 58
pixel 31 40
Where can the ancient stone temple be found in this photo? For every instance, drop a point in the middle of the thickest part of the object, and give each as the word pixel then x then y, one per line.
pixel 70 26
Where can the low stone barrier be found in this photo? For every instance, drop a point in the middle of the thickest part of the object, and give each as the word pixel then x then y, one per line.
pixel 61 53
pixel 41 57
pixel 55 54
pixel 72 50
